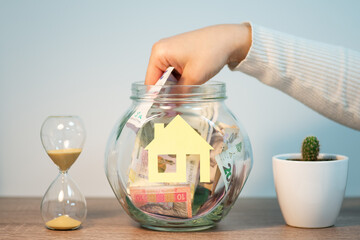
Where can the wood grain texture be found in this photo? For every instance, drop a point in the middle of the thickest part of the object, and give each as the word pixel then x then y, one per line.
pixel 249 219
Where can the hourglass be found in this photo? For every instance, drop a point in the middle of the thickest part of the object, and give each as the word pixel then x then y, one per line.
pixel 63 207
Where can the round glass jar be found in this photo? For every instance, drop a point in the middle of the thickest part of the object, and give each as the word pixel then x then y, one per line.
pixel 181 165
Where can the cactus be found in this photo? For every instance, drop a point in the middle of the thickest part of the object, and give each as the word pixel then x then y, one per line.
pixel 310 148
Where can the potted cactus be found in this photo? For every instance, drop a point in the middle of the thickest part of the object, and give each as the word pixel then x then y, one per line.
pixel 310 186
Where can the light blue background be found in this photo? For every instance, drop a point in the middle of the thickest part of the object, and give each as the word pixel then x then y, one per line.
pixel 80 57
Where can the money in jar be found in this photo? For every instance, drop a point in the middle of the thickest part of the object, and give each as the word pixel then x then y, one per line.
pixel 178 159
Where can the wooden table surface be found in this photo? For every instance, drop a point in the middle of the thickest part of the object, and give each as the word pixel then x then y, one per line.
pixel 249 219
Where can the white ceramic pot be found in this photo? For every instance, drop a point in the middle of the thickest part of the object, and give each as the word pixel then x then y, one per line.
pixel 310 193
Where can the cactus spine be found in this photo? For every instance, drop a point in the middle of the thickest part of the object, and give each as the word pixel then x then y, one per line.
pixel 310 148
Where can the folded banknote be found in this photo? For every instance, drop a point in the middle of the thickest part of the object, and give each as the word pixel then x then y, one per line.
pixel 172 201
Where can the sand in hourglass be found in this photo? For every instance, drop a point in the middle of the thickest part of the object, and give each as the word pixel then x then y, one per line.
pixel 64 158
pixel 63 222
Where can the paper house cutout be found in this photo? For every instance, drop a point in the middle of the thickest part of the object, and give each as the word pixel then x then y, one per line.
pixel 177 138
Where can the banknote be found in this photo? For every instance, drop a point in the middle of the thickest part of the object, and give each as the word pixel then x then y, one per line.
pixel 167 164
pixel 138 171
pixel 225 160
pixel 139 117
pixel 144 130
pixel 217 143
pixel 222 137
pixel 172 200
pixel 202 119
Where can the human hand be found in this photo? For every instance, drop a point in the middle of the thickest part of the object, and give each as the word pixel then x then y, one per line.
pixel 199 55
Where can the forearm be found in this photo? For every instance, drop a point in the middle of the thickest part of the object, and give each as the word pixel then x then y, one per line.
pixel 324 77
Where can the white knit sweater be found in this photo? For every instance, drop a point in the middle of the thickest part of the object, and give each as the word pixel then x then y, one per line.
pixel 324 77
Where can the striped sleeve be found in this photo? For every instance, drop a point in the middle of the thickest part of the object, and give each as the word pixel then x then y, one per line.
pixel 324 77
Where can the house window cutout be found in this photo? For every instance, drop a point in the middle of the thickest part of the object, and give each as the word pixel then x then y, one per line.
pixel 180 139
pixel 167 163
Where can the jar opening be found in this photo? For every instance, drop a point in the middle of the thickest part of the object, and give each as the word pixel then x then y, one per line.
pixel 209 91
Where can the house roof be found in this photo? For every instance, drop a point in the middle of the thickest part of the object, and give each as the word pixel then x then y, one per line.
pixel 178 137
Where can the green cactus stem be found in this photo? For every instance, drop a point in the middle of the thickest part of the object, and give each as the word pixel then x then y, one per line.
pixel 310 148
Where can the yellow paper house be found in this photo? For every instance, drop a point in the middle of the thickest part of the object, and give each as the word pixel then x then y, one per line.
pixel 180 139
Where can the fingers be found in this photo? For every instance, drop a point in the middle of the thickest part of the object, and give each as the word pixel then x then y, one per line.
pixel 190 76
pixel 187 79
pixel 155 69
pixel 194 74
pixel 196 55
pixel 157 64
pixel 153 73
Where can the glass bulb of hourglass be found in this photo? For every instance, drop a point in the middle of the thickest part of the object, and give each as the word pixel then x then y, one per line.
pixel 63 206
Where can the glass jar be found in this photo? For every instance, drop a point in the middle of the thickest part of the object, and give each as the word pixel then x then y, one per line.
pixel 178 159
